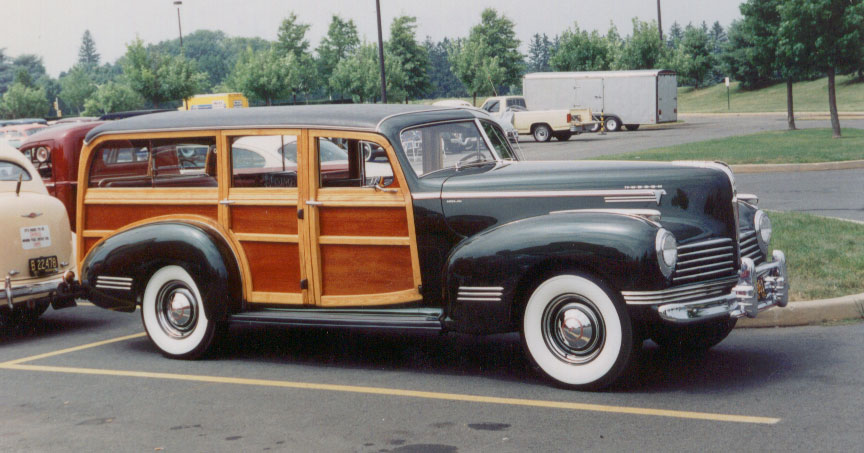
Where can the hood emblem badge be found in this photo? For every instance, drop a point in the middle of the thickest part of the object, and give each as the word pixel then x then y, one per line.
pixel 32 215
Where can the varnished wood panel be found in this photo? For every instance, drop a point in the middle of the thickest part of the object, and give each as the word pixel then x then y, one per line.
pixel 372 221
pixel 275 267
pixel 365 269
pixel 264 219
pixel 112 217
pixel 88 244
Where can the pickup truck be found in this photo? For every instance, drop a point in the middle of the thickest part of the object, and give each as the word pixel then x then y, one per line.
pixel 542 124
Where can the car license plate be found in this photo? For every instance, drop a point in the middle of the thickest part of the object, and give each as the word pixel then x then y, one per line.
pixel 43 265
pixel 35 237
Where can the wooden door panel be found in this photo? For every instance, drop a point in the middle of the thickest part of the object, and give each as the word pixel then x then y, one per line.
pixel 363 221
pixel 365 269
pixel 275 267
pixel 264 219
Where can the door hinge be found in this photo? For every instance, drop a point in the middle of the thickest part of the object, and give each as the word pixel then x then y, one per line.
pixel 304 284
pixel 300 213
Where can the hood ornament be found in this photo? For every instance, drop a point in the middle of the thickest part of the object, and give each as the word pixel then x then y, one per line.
pixel 32 215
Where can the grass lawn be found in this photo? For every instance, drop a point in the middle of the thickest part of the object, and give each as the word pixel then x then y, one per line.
pixel 774 147
pixel 825 257
pixel 809 96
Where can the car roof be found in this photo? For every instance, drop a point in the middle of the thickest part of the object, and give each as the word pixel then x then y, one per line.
pixel 362 117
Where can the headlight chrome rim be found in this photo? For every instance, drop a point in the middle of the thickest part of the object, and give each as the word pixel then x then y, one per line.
pixel 667 251
pixel 764 230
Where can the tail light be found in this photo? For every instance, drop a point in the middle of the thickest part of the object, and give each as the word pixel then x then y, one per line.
pixel 569 118
pixel 676 110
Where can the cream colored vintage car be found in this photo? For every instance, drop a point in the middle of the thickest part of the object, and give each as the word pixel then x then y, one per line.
pixel 37 249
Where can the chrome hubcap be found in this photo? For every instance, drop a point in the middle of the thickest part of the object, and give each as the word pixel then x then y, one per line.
pixel 176 309
pixel 573 329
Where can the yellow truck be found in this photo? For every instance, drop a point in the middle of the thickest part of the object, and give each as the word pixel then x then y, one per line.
pixel 215 101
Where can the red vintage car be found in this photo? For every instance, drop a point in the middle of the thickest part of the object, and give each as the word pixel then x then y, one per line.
pixel 54 152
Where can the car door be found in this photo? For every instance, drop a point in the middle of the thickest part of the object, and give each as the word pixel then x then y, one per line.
pixel 361 239
pixel 259 206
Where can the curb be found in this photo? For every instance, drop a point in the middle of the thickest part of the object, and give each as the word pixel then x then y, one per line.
pixel 809 312
pixel 779 168
pixel 798 115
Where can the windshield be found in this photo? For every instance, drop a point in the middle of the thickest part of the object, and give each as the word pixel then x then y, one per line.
pixel 431 148
pixel 10 171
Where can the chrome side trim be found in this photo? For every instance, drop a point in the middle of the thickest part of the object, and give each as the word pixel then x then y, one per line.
pixel 480 293
pixel 680 293
pixel 117 283
pixel 652 215
pixel 612 194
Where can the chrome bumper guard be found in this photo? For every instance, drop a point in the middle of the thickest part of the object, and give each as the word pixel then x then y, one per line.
pixel 759 288
pixel 60 293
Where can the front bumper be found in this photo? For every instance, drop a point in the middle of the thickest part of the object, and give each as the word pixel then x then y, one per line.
pixel 57 291
pixel 759 288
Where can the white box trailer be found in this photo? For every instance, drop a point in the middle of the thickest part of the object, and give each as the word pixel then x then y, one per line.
pixel 627 98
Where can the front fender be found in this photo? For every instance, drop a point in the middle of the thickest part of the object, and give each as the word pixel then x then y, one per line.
pixel 486 272
pixel 130 257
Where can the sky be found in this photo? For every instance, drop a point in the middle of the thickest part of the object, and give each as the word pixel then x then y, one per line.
pixel 53 29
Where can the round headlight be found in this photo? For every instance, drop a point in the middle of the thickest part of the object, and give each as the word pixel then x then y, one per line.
pixel 667 251
pixel 42 154
pixel 763 229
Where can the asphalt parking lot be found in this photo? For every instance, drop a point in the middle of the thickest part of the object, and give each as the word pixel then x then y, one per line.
pixel 88 379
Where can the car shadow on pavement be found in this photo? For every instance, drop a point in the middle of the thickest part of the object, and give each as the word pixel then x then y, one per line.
pixel 48 327
pixel 500 357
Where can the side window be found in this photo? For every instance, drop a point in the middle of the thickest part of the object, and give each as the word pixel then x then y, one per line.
pixel 264 161
pixel 499 142
pixel 432 148
pixel 171 162
pixel 517 102
pixel 121 163
pixel 183 162
pixel 353 163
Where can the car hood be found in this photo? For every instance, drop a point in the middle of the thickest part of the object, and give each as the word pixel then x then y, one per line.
pixel 694 198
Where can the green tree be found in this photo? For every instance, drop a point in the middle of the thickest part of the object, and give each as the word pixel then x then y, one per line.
pixel 261 75
pixel 21 101
pixel 444 82
pixel 76 87
pixel 579 50
pixel 414 58
pixel 159 78
pixel 694 59
pixel 676 34
pixel 114 96
pixel 87 54
pixel 291 38
pixel 539 53
pixel 489 58
pixel 340 42
pixel 642 49
pixel 825 36
pixel 359 75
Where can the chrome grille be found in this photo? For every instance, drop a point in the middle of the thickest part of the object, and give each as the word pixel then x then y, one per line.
pixel 750 247
pixel 705 260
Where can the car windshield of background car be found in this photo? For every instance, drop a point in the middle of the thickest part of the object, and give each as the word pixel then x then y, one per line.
pixel 447 145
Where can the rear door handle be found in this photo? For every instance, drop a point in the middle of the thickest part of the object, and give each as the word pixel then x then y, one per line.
pixel 314 203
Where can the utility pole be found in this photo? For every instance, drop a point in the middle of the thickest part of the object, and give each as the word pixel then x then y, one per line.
pixel 659 24
pixel 180 30
pixel 381 53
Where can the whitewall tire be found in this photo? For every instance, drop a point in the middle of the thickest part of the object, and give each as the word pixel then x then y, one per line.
pixel 174 315
pixel 577 332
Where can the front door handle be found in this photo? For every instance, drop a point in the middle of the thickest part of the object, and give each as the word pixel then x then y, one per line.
pixel 226 202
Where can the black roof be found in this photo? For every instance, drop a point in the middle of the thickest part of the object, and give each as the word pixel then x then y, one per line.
pixel 365 117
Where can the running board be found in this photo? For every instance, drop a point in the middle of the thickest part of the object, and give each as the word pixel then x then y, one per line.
pixel 397 319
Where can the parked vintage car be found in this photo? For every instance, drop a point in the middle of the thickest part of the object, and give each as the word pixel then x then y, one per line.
pixel 37 251
pixel 15 134
pixel 54 152
pixel 586 259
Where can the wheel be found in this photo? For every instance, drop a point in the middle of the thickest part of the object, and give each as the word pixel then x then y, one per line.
pixel 694 339
pixel 174 316
pixel 577 332
pixel 613 124
pixel 563 136
pixel 542 133
pixel 631 127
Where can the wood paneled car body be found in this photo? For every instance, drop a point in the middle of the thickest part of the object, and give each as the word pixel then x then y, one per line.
pixel 586 259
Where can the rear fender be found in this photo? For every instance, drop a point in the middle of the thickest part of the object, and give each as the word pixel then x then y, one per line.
pixel 130 257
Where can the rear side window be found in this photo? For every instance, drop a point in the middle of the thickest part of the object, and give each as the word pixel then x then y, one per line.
pixel 516 102
pixel 264 161
pixel 173 162
pixel 10 171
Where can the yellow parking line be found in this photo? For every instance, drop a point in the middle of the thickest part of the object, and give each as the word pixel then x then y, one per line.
pixel 73 349
pixel 405 393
